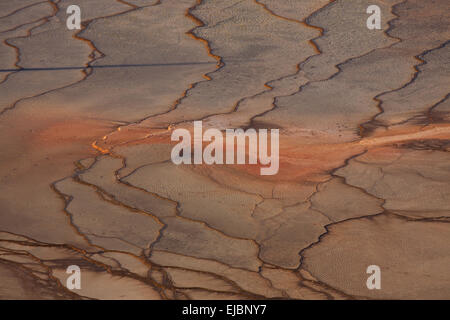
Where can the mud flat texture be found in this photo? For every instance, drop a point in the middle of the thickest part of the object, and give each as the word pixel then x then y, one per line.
pixel 87 179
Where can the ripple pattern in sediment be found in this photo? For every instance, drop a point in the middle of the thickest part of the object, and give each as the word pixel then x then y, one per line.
pixel 87 178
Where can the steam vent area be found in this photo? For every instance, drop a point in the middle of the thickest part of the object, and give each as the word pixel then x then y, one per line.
pixel 224 149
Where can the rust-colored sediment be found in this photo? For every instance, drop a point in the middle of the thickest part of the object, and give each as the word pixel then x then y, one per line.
pixel 90 189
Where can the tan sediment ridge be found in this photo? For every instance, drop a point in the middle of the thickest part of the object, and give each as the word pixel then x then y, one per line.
pixel 87 177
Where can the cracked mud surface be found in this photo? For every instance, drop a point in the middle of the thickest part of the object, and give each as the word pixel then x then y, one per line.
pixel 86 175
